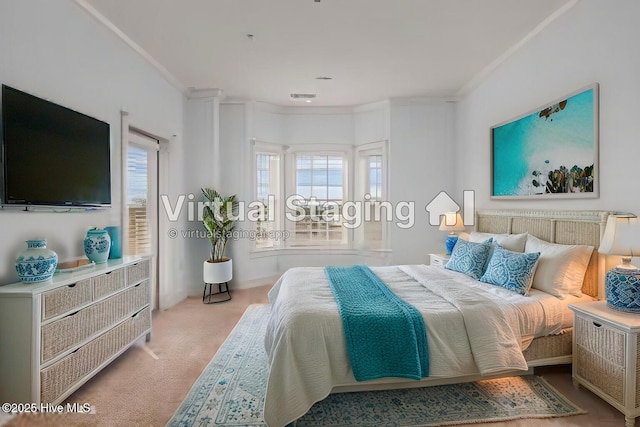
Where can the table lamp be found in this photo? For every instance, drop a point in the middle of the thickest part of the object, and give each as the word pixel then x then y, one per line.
pixel 622 283
pixel 451 222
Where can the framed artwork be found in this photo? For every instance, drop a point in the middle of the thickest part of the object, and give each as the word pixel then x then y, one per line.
pixel 551 152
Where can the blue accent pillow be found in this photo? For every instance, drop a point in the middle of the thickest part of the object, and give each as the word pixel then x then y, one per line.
pixel 469 258
pixel 511 270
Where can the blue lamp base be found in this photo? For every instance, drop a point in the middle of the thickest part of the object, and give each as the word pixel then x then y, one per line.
pixel 450 243
pixel 622 289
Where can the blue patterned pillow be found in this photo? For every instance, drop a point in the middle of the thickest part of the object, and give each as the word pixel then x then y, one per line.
pixel 469 258
pixel 511 270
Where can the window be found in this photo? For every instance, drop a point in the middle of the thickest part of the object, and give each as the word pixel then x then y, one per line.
pixel 268 173
pixel 371 192
pixel 139 174
pixel 320 182
pixel 321 196
pixel 374 163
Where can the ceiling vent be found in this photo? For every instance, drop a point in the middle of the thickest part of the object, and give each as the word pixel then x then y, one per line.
pixel 302 96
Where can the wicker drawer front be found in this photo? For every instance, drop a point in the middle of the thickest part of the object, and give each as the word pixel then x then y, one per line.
pixel 66 333
pixel 607 376
pixel 66 298
pixel 62 375
pixel 601 340
pixel 638 373
pixel 108 283
pixel 137 272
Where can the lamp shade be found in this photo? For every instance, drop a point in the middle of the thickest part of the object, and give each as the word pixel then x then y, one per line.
pixel 451 221
pixel 621 236
pixel 622 284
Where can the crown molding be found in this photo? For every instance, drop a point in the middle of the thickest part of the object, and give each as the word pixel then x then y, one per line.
pixel 133 45
pixel 479 78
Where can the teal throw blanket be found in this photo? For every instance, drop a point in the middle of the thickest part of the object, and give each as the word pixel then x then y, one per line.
pixel 386 336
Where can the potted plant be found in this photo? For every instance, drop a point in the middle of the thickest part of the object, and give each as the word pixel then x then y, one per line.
pixel 219 218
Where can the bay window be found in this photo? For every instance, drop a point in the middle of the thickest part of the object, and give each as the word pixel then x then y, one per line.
pixel 321 196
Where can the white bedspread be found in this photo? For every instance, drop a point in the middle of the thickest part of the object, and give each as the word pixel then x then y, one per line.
pixel 472 328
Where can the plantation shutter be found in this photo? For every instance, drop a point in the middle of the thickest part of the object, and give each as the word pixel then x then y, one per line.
pixel 141 153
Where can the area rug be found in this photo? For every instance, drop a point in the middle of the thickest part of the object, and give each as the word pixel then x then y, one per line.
pixel 231 389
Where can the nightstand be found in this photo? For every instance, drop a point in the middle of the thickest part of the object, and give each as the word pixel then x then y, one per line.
pixel 606 353
pixel 438 259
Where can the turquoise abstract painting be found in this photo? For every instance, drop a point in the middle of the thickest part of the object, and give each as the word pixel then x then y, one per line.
pixel 551 152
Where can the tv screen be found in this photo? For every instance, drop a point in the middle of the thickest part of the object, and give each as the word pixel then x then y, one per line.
pixel 51 155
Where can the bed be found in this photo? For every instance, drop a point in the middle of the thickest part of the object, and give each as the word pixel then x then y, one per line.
pixel 305 341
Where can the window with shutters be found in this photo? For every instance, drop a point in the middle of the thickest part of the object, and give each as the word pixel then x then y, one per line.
pixel 141 194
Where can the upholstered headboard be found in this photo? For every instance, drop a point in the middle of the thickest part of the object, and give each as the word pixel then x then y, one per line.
pixel 564 227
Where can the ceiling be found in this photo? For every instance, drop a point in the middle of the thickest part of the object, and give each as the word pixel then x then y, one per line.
pixel 372 50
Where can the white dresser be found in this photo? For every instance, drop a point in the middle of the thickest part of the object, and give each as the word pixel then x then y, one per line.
pixel 55 335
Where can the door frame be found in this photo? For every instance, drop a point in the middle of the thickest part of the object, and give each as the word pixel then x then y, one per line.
pixel 160 279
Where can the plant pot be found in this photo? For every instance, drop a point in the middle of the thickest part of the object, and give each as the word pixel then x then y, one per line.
pixel 217 272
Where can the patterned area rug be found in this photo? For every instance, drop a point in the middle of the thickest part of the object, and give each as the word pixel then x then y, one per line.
pixel 230 392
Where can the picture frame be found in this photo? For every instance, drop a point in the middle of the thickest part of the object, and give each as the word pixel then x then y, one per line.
pixel 550 152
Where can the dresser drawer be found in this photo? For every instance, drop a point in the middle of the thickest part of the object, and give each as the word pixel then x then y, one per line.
pixel 108 283
pixel 66 333
pixel 600 372
pixel 62 375
pixel 137 272
pixel 66 298
pixel 600 356
pixel 600 339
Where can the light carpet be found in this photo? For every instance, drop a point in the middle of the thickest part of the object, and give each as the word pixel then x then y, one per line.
pixel 231 389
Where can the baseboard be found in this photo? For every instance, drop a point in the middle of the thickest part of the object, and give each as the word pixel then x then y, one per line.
pixel 247 284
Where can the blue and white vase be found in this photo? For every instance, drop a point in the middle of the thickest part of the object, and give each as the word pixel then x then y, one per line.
pixel 36 263
pixel 97 245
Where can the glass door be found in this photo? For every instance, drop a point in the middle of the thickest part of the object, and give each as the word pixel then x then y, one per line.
pixel 142 201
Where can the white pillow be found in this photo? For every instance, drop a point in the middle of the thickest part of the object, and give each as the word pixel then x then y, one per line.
pixel 463 235
pixel 511 242
pixel 561 268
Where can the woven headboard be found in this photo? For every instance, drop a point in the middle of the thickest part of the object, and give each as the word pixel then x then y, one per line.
pixel 564 227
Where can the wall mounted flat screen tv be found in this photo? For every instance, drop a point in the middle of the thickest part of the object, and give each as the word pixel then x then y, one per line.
pixel 52 155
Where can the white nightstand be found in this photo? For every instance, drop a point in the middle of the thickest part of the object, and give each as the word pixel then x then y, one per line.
pixel 606 352
pixel 438 259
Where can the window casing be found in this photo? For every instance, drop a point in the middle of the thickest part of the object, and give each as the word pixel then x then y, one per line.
pixel 305 187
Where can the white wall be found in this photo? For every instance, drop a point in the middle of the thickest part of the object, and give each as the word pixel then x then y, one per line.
pixel 57 51
pixel 371 123
pixel 200 170
pixel 422 164
pixel 594 41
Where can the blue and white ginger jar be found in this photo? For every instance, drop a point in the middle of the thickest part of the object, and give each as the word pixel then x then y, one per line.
pixel 36 263
pixel 97 245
